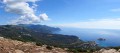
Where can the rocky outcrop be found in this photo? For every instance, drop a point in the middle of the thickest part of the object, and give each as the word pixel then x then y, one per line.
pixel 14 46
pixel 108 51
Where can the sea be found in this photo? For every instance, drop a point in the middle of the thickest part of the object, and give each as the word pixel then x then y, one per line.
pixel 112 36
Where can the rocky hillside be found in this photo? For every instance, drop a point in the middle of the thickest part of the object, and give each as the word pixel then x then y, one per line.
pixel 14 46
pixel 39 34
pixel 108 51
pixel 43 35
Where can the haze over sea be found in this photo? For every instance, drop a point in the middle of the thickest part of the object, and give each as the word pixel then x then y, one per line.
pixel 112 36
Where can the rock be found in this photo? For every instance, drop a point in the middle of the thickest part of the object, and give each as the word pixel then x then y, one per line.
pixel 119 50
pixel 14 46
pixel 107 51
pixel 18 51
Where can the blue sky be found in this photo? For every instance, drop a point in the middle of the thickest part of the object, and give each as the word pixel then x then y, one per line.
pixel 103 14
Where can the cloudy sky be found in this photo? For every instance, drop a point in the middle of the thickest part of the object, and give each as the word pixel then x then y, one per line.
pixel 100 14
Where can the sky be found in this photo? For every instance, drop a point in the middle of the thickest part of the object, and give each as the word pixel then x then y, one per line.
pixel 98 14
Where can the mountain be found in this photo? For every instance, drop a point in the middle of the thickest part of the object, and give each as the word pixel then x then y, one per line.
pixel 41 28
pixel 44 35
pixel 40 33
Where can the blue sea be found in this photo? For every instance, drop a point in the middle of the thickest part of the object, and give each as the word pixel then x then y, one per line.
pixel 112 36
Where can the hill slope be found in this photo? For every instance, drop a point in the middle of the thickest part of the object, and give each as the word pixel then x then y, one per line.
pixel 27 33
pixel 41 34
pixel 14 46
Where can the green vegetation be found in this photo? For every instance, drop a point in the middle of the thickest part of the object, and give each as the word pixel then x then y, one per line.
pixel 42 34
pixel 83 50
pixel 49 47
pixel 117 47
pixel 39 44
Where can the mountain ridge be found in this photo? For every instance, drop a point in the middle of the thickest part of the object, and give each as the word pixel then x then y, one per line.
pixel 28 33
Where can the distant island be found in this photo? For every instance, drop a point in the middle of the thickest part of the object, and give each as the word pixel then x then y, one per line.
pixel 101 39
pixel 44 35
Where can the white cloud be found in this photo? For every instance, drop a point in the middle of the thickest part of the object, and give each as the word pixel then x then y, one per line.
pixel 26 12
pixel 95 24
pixel 45 16
pixel 28 19
pixel 17 1
pixel 115 10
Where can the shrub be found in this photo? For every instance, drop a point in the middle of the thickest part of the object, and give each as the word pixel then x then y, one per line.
pixel 38 44
pixel 49 47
